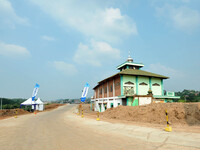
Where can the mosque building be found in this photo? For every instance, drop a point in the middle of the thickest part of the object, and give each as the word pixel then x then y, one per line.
pixel 131 86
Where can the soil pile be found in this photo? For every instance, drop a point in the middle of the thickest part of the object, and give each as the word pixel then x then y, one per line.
pixel 179 113
pixel 12 112
pixel 52 106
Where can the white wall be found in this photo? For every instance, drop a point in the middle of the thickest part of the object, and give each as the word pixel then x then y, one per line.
pixel 105 100
pixel 145 100
pixel 143 89
pixel 156 90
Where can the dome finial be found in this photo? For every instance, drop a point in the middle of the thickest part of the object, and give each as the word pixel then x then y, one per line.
pixel 129 57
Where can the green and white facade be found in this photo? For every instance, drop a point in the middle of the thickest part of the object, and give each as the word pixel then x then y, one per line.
pixel 131 87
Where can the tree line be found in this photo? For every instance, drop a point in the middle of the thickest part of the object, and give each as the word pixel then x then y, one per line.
pixel 189 96
pixel 11 103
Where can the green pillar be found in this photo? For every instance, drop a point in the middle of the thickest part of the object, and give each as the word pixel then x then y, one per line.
pixel 136 85
pixel 162 87
pixel 150 82
pixel 121 84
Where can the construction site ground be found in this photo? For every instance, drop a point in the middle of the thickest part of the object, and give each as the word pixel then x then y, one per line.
pixel 182 116
pixel 63 129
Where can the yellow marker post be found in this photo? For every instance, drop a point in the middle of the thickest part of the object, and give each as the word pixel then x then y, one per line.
pixel 15 113
pixel 98 116
pixel 168 128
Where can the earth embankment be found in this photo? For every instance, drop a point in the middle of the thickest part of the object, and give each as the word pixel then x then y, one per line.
pixel 179 113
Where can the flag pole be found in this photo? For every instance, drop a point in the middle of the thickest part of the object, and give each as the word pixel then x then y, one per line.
pixel 84 95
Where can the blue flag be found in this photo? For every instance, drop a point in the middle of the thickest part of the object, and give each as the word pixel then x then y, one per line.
pixel 84 93
pixel 35 91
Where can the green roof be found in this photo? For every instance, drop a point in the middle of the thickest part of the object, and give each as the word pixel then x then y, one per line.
pixel 141 73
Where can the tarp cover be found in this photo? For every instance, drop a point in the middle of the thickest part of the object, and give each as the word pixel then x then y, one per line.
pixel 39 101
pixel 28 102
pixel 39 105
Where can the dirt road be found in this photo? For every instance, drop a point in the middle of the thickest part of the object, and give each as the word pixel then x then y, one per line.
pixel 60 129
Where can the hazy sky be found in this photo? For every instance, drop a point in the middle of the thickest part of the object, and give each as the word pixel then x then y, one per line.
pixel 62 44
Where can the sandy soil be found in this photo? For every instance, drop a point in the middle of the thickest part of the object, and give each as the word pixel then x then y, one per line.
pixel 61 129
pixel 182 117
pixel 6 113
pixel 179 113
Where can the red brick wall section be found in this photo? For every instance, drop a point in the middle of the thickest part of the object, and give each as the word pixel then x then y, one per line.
pixel 109 94
pixel 103 90
pixel 100 94
pixel 109 84
pixel 96 91
pixel 105 93
pixel 117 86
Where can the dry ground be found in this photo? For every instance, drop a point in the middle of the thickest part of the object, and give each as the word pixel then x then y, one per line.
pixel 61 129
pixel 182 116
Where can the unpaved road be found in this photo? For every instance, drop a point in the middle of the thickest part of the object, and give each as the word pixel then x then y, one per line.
pixel 60 129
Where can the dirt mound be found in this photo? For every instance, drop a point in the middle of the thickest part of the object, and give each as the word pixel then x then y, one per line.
pixel 12 112
pixel 52 106
pixel 179 113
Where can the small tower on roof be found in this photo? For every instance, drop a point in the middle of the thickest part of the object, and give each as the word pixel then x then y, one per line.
pixel 129 64
pixel 129 58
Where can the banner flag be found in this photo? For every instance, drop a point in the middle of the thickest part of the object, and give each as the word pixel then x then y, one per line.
pixel 35 91
pixel 84 93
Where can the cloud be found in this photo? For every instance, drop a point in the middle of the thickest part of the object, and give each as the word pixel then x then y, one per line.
pixel 95 53
pixel 92 20
pixel 8 15
pixel 69 69
pixel 165 70
pixel 48 38
pixel 182 17
pixel 11 50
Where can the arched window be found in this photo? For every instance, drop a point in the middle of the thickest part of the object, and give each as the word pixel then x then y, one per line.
pixel 155 84
pixel 129 88
pixel 111 88
pixel 100 90
pixel 105 90
pixel 129 83
pixel 143 83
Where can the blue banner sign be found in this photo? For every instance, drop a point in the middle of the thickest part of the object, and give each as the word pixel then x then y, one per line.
pixel 85 92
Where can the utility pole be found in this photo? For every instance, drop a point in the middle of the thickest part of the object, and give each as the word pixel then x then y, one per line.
pixel 1 103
